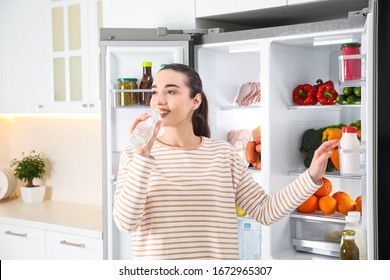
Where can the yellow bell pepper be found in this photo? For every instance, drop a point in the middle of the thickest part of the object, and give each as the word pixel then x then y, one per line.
pixel 335 158
pixel 331 133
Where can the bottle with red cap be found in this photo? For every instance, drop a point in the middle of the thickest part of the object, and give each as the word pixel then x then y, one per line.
pixel 349 151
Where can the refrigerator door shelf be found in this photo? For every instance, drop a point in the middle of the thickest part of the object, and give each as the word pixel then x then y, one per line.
pixel 352 69
pixel 117 92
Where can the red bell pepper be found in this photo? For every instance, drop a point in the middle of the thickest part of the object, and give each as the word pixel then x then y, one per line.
pixel 304 94
pixel 326 94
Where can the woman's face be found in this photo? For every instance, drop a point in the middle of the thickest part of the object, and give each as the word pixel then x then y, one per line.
pixel 171 96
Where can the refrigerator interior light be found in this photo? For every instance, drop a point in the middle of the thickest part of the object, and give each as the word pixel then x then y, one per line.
pixel 243 49
pixel 333 40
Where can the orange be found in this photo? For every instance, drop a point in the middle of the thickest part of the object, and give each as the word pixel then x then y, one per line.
pixel 338 195
pixel 325 189
pixel 359 204
pixel 328 204
pixel 309 206
pixel 345 205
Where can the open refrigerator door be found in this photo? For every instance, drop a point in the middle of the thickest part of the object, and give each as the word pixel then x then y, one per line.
pixel 122 54
pixel 280 59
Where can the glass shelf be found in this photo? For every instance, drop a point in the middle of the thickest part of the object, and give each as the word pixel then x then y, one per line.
pixel 236 107
pixel 335 107
pixel 334 174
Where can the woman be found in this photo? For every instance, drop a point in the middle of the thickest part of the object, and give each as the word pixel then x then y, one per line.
pixel 177 195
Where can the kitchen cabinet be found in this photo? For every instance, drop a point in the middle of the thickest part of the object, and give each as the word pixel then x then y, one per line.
pixel 62 246
pixel 74 56
pixel 24 67
pixel 21 243
pixel 50 230
pixel 50 59
pixel 259 14
pixel 206 8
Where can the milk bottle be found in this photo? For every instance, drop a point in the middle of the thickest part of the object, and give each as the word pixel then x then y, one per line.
pixel 349 151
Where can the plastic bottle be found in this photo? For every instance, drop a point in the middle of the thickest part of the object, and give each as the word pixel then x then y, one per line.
pixel 142 133
pixel 146 83
pixel 250 239
pixel 353 222
pixel 348 249
pixel 349 151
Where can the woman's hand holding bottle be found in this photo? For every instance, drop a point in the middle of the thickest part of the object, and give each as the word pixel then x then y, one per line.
pixel 141 147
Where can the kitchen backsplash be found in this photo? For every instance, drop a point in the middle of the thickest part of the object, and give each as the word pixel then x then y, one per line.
pixel 4 142
pixel 73 146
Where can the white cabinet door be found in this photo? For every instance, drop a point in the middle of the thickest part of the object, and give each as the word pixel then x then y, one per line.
pixel 74 56
pixel 24 46
pixel 21 243
pixel 205 8
pixel 61 246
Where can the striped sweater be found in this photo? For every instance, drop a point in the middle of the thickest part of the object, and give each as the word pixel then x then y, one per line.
pixel 180 204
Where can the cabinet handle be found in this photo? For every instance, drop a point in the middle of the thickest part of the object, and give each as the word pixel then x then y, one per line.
pixel 64 242
pixel 40 106
pixel 16 234
pixel 85 105
pixel 92 105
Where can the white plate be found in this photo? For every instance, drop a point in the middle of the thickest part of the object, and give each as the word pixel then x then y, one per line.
pixel 4 184
pixel 7 182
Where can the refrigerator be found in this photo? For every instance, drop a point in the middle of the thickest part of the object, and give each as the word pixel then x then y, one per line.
pixel 279 58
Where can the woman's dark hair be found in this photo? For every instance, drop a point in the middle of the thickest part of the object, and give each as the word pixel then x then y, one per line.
pixel 200 117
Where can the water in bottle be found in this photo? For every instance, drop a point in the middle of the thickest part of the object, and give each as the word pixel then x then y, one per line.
pixel 142 133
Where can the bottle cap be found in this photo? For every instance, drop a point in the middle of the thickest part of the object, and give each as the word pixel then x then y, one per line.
pixel 124 79
pixel 352 219
pixel 146 64
pixel 163 65
pixel 355 44
pixel 349 129
pixel 349 232
pixel 354 213
pixel 247 226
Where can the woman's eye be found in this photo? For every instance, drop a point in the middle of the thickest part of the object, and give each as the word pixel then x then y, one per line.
pixel 154 92
pixel 170 92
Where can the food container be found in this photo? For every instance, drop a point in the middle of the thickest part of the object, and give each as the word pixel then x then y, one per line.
pixel 127 97
pixel 317 233
pixel 352 67
pixel 352 63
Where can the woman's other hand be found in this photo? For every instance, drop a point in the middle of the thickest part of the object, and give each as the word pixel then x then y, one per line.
pixel 320 160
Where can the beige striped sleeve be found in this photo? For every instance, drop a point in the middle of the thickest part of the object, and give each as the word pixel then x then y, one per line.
pixel 266 209
pixel 130 193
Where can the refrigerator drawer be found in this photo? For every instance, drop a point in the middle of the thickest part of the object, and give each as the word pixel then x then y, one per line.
pixel 316 233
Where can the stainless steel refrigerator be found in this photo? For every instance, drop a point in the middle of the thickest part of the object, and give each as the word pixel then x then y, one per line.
pixel 278 58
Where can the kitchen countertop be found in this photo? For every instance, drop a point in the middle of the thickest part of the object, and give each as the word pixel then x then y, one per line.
pixel 65 217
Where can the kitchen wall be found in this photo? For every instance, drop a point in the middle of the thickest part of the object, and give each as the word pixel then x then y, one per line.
pixel 71 142
pixel 4 142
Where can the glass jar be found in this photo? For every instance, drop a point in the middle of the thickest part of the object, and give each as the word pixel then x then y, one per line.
pixel 352 66
pixel 127 98
pixel 348 249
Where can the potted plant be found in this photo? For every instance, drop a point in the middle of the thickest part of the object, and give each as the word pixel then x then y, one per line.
pixel 30 167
